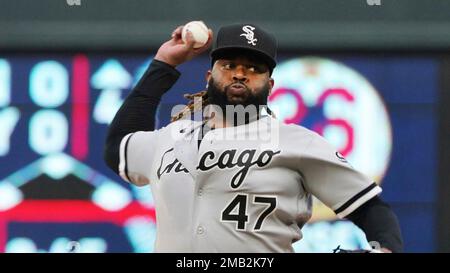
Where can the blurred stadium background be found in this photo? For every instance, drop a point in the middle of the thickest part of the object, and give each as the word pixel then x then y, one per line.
pixel 372 76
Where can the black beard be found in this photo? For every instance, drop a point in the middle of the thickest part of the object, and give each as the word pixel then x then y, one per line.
pixel 217 96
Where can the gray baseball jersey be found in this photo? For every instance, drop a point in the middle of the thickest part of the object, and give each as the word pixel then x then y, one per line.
pixel 243 189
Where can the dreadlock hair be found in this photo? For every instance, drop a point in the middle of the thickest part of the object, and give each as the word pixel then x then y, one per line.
pixel 195 101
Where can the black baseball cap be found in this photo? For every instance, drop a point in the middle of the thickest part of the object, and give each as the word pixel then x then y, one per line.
pixel 242 38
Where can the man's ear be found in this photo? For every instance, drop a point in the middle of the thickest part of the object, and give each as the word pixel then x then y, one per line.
pixel 271 84
pixel 208 77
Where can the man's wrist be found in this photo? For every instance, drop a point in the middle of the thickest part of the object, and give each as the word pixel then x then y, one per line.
pixel 167 67
pixel 165 60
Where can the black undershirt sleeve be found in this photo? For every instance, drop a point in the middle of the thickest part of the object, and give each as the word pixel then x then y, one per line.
pixel 379 223
pixel 138 111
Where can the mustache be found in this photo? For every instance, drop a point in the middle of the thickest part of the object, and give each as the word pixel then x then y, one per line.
pixel 218 96
pixel 238 83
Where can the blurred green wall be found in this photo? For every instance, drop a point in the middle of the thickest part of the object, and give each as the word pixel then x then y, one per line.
pixel 298 24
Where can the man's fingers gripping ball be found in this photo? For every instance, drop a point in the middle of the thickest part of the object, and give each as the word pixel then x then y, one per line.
pixel 195 33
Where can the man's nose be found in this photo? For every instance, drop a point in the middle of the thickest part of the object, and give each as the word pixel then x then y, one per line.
pixel 240 74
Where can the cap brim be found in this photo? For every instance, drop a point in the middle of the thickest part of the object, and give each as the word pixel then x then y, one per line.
pixel 215 54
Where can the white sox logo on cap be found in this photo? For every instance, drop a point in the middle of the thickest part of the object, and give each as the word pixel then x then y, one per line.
pixel 249 34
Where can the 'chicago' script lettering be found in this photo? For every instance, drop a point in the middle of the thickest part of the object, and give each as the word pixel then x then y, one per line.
pixel 174 165
pixel 226 160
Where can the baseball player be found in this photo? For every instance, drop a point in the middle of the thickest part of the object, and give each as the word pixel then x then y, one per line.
pixel 227 184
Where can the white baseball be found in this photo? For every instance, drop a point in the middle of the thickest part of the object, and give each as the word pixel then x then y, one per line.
pixel 199 31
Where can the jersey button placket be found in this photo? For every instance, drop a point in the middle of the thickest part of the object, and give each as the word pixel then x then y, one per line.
pixel 200 230
pixel 213 136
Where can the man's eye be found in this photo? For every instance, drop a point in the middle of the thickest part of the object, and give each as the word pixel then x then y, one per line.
pixel 256 69
pixel 228 66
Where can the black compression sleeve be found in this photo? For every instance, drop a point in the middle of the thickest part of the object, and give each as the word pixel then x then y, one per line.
pixel 380 224
pixel 138 111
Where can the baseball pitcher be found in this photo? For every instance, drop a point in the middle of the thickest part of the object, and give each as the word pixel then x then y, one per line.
pixel 236 179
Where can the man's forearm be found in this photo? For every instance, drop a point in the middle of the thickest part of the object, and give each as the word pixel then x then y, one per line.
pixel 379 223
pixel 138 111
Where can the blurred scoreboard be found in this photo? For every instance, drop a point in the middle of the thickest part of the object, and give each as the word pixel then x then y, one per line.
pixel 57 195
pixel 55 188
